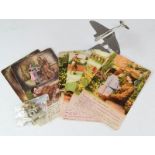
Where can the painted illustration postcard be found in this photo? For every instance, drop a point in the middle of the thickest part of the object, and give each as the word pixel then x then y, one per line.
pixel 36 109
pixel 82 66
pixel 35 71
pixel 71 68
pixel 34 75
pixel 13 81
pixel 96 59
pixel 75 69
pixel 40 110
pixel 63 58
pixel 113 90
pixel 77 61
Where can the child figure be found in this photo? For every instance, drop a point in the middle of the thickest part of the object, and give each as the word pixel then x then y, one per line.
pixel 33 71
pixel 111 85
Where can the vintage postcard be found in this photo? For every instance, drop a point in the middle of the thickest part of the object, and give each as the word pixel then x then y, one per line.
pixel 76 112
pixel 36 109
pixel 35 71
pixel 71 67
pixel 13 81
pixel 52 89
pixel 96 59
pixel 63 59
pixel 113 90
pixel 73 63
pixel 75 69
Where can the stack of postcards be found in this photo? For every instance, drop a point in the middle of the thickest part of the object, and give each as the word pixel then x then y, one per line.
pixel 90 85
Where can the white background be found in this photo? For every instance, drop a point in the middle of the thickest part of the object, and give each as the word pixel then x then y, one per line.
pixel 19 37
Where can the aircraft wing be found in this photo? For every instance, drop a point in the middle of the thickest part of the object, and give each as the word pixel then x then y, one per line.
pixel 100 29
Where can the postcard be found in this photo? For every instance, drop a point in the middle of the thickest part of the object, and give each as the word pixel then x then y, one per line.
pixel 36 109
pixel 77 61
pixel 35 75
pixel 63 59
pixel 75 69
pixel 72 73
pixel 76 112
pixel 36 70
pixel 96 59
pixel 113 90
pixel 13 81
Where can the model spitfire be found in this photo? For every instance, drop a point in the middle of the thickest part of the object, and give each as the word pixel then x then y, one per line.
pixel 107 36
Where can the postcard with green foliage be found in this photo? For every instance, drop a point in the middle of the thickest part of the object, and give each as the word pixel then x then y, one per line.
pixel 63 59
pixel 114 89
pixel 110 93
pixel 82 66
pixel 96 59
pixel 75 69
pixel 120 81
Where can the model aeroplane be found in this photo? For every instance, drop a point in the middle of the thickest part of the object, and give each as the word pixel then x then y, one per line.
pixel 107 35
